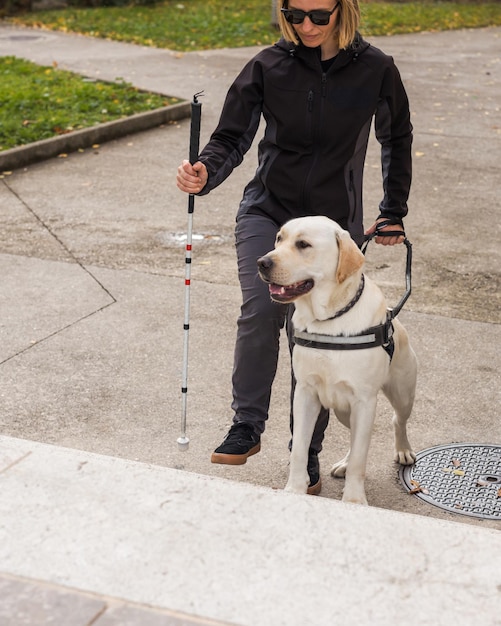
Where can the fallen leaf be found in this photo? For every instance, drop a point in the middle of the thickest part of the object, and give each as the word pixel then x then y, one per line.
pixel 417 488
pixel 499 493
pixel 61 131
pixel 456 462
pixel 458 472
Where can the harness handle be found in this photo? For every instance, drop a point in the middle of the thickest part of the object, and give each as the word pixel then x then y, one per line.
pixel 394 311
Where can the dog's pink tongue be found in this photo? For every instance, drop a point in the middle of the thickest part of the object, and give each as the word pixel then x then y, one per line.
pixel 291 291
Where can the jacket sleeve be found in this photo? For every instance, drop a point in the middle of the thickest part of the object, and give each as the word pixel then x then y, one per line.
pixel 237 126
pixel 394 133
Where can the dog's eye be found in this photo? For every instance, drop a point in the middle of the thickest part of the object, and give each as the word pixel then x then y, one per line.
pixel 302 244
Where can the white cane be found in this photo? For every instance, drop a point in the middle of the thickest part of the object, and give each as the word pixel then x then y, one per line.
pixel 196 111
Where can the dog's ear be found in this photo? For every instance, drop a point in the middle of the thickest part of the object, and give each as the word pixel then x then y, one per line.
pixel 350 258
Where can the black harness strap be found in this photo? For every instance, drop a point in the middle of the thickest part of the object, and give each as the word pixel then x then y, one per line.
pixel 408 266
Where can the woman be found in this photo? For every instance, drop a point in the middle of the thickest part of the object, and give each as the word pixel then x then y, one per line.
pixel 318 89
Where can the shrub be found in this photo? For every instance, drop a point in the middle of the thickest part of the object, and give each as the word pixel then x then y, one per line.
pixel 11 7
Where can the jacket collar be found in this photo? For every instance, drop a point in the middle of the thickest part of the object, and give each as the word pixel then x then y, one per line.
pixel 310 55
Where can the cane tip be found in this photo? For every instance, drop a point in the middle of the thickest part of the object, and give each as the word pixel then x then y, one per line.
pixel 183 443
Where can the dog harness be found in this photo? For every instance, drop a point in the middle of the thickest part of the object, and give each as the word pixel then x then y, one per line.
pixel 380 335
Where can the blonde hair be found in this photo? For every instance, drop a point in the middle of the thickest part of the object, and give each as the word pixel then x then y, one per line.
pixel 348 20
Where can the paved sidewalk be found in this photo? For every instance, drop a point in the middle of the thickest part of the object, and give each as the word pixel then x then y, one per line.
pixel 98 508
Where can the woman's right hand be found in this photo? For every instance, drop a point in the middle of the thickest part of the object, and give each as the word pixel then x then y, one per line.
pixel 191 178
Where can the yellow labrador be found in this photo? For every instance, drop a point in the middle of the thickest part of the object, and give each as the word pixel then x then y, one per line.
pixel 347 348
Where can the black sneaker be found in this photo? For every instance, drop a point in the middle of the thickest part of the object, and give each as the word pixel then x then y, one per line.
pixel 315 485
pixel 241 442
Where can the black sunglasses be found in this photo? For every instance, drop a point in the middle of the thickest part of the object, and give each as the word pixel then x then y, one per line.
pixel 319 17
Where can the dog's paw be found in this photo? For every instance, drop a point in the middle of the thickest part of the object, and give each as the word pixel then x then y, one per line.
pixel 405 457
pixel 338 470
pixel 295 488
pixel 355 499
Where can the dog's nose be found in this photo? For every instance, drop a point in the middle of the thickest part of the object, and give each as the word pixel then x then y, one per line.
pixel 265 264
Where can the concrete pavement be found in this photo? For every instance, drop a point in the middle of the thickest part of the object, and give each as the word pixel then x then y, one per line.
pixel 91 260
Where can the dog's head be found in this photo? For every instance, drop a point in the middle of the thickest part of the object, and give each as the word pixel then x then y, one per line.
pixel 312 256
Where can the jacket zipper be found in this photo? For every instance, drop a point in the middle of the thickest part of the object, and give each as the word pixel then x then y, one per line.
pixel 323 90
pixel 324 84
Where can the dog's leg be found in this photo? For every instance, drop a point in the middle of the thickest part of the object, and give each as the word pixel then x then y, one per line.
pixel 306 409
pixel 361 422
pixel 400 391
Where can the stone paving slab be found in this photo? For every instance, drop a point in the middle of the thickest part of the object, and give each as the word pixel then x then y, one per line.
pixel 143 539
pixel 27 603
pixel 34 603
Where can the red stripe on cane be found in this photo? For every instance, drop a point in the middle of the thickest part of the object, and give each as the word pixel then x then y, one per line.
pixel 187 282
pixel 188 247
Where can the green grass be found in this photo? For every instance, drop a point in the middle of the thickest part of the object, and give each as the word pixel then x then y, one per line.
pixel 40 102
pixel 186 25
pixel 392 19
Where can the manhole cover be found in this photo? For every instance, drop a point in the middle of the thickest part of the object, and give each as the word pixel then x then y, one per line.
pixel 460 478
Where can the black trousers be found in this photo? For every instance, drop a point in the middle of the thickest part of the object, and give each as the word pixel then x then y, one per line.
pixel 258 331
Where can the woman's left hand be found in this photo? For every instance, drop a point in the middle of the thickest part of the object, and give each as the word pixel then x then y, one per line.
pixel 387 241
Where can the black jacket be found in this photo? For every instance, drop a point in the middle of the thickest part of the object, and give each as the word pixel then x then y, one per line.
pixel 312 155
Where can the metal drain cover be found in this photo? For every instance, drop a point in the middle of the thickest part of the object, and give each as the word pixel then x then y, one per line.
pixel 460 478
pixel 22 37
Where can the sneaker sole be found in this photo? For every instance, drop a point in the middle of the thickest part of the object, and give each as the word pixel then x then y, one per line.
pixel 314 490
pixel 234 459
